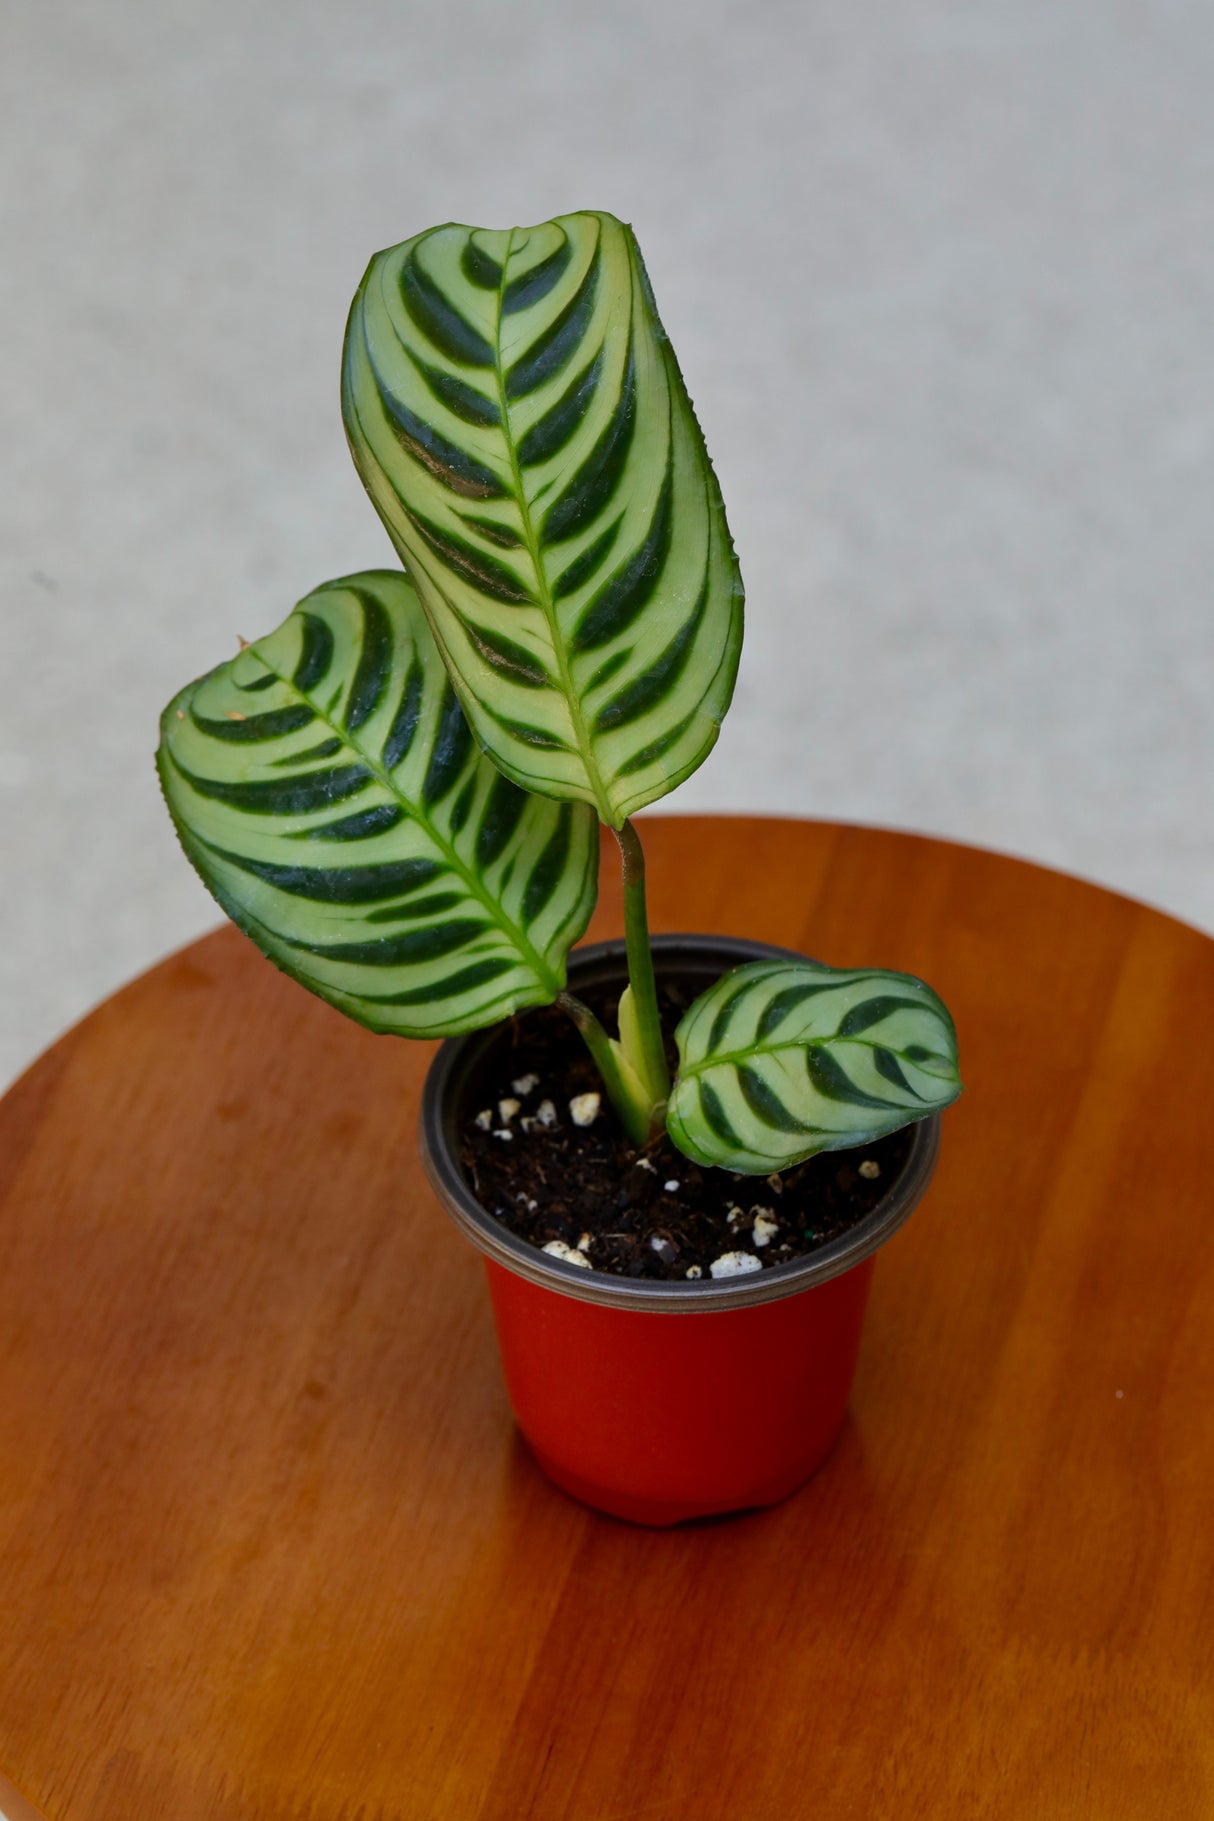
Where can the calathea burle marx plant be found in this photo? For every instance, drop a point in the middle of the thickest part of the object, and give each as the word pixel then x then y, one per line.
pixel 396 794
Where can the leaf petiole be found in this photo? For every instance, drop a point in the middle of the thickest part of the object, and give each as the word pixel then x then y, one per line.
pixel 650 1056
pixel 627 1093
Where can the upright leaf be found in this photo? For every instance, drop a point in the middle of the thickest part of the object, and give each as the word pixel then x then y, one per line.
pixel 781 1059
pixel 518 418
pixel 327 787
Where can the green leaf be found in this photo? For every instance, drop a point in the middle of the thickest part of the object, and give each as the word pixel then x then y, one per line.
pixel 520 423
pixel 327 787
pixel 781 1059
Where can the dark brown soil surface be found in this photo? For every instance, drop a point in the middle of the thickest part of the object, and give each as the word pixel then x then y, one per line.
pixel 650 1213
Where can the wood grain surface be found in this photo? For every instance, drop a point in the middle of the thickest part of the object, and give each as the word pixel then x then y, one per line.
pixel 271 1551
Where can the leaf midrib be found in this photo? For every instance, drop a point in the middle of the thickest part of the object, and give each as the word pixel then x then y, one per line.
pixel 603 805
pixel 383 776
pixel 735 1057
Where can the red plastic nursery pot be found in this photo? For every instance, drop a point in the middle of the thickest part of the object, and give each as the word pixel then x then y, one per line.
pixel 660 1401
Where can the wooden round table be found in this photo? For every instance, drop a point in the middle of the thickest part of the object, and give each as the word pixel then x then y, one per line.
pixel 270 1549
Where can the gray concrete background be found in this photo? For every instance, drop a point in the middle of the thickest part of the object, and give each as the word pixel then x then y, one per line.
pixel 941 279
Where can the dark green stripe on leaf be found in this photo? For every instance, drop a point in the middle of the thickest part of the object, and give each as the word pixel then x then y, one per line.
pixel 656 749
pixel 466 402
pixel 549 868
pixel 337 884
pixel 609 668
pixel 316 652
pixel 480 268
pixel 872 1011
pixel 532 287
pixel 405 720
pixel 282 796
pixel 787 1001
pixel 715 1116
pixel 505 536
pixel 438 319
pixel 251 729
pixel 396 951
pixel 461 809
pixel 556 345
pixel 550 433
pixel 828 1079
pixel 585 567
pixel 374 661
pixel 592 487
pixel 478 973
pixel 450 752
pixel 454 467
pixel 890 1069
pixel 323 750
pixel 632 587
pixel 414 909
pixel 765 1103
pixel 363 825
pixel 500 817
pixel 540 737
pixel 726 1012
pixel 484 572
pixel 655 684
pixel 514 661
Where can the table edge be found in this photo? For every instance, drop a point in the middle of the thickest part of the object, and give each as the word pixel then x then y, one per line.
pixel 16 1807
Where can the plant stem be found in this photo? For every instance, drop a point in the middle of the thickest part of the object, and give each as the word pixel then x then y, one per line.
pixel 640 962
pixel 636 1117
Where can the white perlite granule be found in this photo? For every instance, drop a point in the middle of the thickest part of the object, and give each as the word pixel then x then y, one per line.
pixel 764 1229
pixel 870 1168
pixel 556 1248
pixel 584 1108
pixel 735 1264
pixel 525 1083
pixel 506 1109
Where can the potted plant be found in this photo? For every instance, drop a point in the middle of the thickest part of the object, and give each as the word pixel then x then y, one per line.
pixel 397 794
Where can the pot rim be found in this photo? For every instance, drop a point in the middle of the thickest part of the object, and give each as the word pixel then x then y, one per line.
pixel 457 1056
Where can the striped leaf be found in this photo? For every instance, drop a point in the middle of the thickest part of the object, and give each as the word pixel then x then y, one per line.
pixel 519 421
pixel 327 787
pixel 781 1059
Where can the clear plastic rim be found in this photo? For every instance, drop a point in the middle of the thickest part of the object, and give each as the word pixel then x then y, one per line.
pixel 441 1114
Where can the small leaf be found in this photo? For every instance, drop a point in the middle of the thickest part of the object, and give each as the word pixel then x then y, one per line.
pixel 782 1059
pixel 635 1085
pixel 327 788
pixel 632 1044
